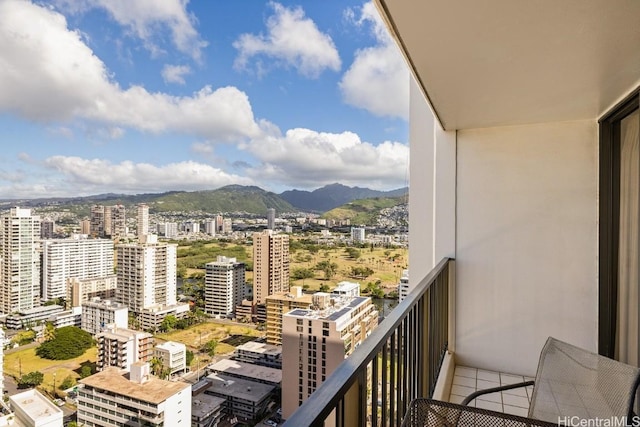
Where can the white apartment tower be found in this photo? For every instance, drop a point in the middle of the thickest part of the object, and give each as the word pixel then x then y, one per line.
pixel 98 314
pixel 146 273
pixel 271 219
pixel 270 264
pixel 76 257
pixel 20 260
pixel 224 286
pixel 315 342
pixel 143 220
pixel 357 234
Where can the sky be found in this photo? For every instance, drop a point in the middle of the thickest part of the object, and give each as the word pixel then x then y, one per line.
pixel 146 96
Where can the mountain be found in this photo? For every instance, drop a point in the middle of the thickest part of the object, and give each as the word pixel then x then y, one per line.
pixel 232 198
pixel 373 211
pixel 334 195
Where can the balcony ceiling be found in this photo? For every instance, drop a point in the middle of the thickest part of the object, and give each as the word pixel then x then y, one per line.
pixel 505 62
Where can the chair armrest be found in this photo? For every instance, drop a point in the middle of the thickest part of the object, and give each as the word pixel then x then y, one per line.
pixel 495 389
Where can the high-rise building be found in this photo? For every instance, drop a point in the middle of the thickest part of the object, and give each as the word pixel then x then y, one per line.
pixel 210 227
pixel 219 223
pixel 47 228
pixel 82 290
pixel 168 229
pixel 270 264
pixel 315 342
pixel 108 221
pixel 403 286
pixel 224 286
pixel 85 226
pixel 20 260
pixel 279 304
pixel 76 257
pixel 271 219
pixel 227 226
pixel 357 234
pixel 143 220
pixel 146 273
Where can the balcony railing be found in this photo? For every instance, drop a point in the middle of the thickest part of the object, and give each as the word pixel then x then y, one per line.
pixel 398 362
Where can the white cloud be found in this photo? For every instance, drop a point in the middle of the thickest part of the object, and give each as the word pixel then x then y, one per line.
pixel 175 73
pixel 47 73
pixel 292 40
pixel 146 18
pixel 91 176
pixel 309 159
pixel 378 78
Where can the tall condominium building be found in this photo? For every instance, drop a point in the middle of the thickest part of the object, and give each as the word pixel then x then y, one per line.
pixel 77 257
pixel 271 219
pixel 168 229
pixel 20 260
pixel 146 273
pixel 357 234
pixel 315 342
pixel 143 220
pixel 270 264
pixel 210 227
pixel 85 226
pixel 99 314
pixel 280 303
pixel 219 224
pixel 112 398
pixel 121 347
pixel 47 228
pixel 227 226
pixel 224 286
pixel 108 221
pixel 403 286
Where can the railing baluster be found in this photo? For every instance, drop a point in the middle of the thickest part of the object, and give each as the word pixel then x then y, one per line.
pixel 385 388
pixel 393 390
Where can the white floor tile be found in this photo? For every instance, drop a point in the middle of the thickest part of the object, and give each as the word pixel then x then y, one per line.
pixel 465 381
pixel 461 390
pixel 520 391
pixel 516 410
pixel 465 371
pixel 491 397
pixel 483 384
pixel 509 399
pixel 510 379
pixel 488 376
pixel 493 406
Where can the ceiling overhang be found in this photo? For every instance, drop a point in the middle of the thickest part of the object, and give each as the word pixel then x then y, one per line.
pixel 507 62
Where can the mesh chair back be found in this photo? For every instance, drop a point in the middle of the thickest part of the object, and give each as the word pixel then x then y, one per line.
pixel 574 382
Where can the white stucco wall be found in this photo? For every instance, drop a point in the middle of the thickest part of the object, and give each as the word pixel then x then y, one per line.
pixel 432 189
pixel 526 247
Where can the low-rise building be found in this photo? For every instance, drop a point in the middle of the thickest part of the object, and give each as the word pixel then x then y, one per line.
pixel 32 409
pixel 243 398
pixel 150 318
pixel 121 347
pixel 259 353
pixel 173 356
pixel 72 317
pixel 206 410
pixel 116 398
pixel 347 289
pixel 30 317
pixel 247 371
pixel 98 313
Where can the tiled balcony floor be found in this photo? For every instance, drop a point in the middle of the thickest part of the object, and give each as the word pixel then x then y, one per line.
pixel 466 380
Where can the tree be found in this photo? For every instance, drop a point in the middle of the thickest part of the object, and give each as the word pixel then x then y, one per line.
pixel 69 342
pixel 301 274
pixel 49 331
pixel 68 382
pixel 324 288
pixel 189 357
pixel 329 268
pixel 169 323
pixel 156 366
pixel 32 379
pixel 210 347
pixel 85 371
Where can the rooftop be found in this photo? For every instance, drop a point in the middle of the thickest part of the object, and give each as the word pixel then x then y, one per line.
pixel 248 370
pixel 204 404
pixel 342 306
pixel 34 405
pixel 260 347
pixel 154 390
pixel 239 388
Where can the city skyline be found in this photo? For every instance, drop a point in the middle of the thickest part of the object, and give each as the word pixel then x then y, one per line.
pixel 129 97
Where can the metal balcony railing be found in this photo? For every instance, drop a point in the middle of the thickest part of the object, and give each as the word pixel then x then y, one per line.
pixel 398 362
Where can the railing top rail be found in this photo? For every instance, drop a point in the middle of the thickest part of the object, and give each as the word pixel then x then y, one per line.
pixel 326 397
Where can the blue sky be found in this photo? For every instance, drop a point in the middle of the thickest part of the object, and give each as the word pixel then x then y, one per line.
pixel 138 96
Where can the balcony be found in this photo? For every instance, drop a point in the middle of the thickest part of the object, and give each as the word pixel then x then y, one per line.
pixel 398 362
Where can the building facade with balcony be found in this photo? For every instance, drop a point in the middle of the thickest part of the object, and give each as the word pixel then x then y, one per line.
pixel 83 290
pixel 117 398
pixel 173 356
pixel 121 347
pixel 279 304
pixel 223 286
pixel 98 314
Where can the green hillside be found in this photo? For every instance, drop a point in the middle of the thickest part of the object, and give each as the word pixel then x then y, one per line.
pixel 364 211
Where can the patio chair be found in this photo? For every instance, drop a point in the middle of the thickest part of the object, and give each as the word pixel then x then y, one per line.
pixel 573 382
